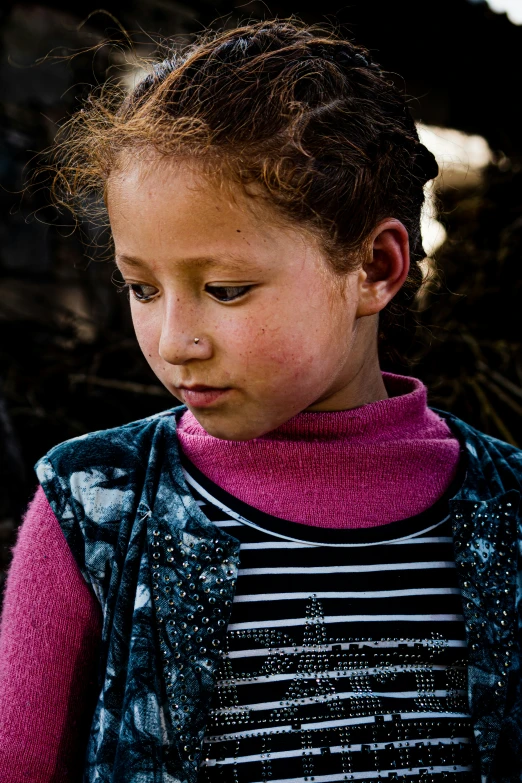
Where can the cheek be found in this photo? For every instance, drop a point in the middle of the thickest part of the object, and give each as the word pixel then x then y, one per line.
pixel 280 346
pixel 257 339
pixel 303 346
pixel 148 331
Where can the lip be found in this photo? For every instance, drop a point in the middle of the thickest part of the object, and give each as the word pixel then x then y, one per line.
pixel 201 396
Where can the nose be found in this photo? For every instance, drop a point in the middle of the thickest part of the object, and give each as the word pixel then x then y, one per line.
pixel 180 329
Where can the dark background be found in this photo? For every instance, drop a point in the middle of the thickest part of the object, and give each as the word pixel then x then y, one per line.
pixel 68 359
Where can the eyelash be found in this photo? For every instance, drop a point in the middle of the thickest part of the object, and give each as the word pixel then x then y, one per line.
pixel 134 287
pixel 243 288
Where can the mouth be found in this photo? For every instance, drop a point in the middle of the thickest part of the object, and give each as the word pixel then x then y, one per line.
pixel 201 396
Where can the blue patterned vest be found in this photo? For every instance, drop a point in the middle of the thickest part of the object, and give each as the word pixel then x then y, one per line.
pixel 165 578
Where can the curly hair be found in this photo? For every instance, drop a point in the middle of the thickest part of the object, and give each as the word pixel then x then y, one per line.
pixel 296 109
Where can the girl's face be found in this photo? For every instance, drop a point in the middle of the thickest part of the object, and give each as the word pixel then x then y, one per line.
pixel 276 335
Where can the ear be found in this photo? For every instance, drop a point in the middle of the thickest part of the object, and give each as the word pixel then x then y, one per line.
pixel 386 267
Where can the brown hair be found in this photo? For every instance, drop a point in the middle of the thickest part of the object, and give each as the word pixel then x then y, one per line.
pixel 297 110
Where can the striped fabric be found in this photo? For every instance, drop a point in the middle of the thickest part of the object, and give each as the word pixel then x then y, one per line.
pixel 346 655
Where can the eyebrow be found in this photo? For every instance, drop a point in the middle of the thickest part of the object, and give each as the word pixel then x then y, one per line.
pixel 204 262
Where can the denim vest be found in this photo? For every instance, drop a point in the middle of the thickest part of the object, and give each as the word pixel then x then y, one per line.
pixel 165 577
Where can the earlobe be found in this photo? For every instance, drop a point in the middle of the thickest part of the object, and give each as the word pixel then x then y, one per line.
pixel 386 269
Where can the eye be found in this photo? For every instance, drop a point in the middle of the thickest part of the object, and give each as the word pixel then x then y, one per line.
pixel 143 293
pixel 227 293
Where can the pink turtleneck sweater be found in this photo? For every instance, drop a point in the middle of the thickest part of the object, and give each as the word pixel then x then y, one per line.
pixel 362 467
pixel 367 466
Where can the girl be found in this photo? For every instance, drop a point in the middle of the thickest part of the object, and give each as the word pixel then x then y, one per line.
pixel 302 573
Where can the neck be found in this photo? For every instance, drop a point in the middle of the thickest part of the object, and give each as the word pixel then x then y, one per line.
pixel 363 383
pixel 363 389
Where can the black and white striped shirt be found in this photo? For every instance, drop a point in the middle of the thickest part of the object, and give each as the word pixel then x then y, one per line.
pixel 345 654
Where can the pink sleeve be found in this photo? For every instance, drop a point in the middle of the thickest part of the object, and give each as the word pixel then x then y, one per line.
pixel 49 638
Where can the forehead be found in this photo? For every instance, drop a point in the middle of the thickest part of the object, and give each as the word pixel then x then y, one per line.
pixel 165 210
pixel 183 189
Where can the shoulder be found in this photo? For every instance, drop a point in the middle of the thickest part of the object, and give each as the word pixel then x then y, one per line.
pixel 105 462
pixel 130 441
pixel 498 460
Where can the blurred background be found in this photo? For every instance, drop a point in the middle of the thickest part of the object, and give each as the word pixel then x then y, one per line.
pixel 68 359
